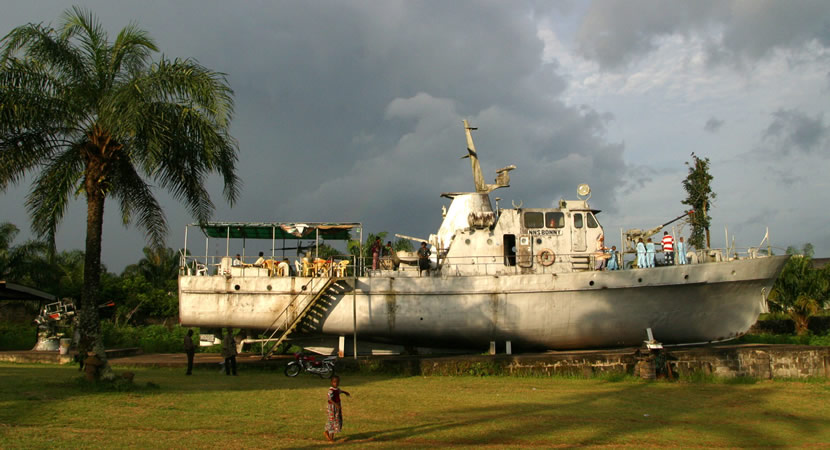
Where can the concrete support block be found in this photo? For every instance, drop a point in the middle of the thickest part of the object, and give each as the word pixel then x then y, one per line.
pixel 341 347
pixel 492 347
pixel 508 347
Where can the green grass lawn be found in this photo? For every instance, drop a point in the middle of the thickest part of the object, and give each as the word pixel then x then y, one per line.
pixel 45 406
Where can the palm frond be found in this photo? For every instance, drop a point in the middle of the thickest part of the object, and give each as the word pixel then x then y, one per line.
pixel 53 189
pixel 42 45
pixel 131 50
pixel 136 197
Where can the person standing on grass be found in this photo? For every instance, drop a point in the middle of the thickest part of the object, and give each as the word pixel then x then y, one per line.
pixel 334 424
pixel 229 353
pixel 190 351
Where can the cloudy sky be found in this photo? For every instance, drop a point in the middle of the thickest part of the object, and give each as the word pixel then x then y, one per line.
pixel 351 111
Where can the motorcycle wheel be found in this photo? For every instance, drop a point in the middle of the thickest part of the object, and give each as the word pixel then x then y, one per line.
pixel 292 370
pixel 327 372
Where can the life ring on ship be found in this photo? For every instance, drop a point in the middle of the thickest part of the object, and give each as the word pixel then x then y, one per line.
pixel 546 257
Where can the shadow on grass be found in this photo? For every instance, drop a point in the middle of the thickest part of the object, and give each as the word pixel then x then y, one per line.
pixel 528 423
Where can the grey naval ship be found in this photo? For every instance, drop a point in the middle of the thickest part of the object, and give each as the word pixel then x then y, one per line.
pixel 528 276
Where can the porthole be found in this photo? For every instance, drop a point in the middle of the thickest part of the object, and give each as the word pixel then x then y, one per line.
pixel 467 241
pixel 268 287
pixel 734 273
pixel 591 283
pixel 422 318
pixel 489 242
pixel 539 241
pixel 685 277
pixel 236 287
pixel 639 280
pixel 305 287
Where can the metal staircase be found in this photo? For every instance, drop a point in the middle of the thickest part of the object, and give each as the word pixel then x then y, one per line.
pixel 308 307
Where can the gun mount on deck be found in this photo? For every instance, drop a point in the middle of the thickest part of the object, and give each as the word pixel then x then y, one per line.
pixel 635 234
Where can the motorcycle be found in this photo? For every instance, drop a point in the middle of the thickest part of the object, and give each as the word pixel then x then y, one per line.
pixel 310 364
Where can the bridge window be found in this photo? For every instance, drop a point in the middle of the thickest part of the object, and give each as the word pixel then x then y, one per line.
pixel 592 221
pixel 577 220
pixel 534 220
pixel 555 220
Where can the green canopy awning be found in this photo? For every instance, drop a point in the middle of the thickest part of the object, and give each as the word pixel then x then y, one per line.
pixel 278 230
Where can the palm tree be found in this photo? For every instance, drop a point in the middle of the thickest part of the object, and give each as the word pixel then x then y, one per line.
pixel 102 119
pixel 159 266
pixel 22 263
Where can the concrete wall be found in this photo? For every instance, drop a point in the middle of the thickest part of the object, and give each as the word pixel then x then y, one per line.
pixel 759 361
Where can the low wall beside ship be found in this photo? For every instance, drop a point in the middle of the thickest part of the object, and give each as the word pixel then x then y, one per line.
pixel 728 361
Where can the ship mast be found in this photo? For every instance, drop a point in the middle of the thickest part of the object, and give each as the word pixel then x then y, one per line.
pixel 503 177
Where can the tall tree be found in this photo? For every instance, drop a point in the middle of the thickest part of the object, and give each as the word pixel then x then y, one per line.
pixel 699 196
pixel 801 290
pixel 101 118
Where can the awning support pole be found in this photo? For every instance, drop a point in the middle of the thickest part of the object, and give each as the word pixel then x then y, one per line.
pixel 273 241
pixel 354 311
pixel 184 250
pixel 228 243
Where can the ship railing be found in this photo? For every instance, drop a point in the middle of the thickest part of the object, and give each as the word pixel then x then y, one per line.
pixel 341 266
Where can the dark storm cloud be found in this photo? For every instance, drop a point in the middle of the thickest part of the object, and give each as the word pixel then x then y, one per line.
pixel 793 130
pixel 713 125
pixel 352 111
pixel 615 32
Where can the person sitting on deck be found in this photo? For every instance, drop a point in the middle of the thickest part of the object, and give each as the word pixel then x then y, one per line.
pixel 237 261
pixel 260 261
pixel 291 271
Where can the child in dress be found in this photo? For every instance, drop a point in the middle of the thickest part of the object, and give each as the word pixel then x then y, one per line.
pixel 335 411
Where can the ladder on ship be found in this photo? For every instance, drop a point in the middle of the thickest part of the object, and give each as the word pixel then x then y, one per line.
pixel 305 305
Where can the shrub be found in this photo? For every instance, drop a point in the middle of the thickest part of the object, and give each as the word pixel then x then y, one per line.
pixel 16 336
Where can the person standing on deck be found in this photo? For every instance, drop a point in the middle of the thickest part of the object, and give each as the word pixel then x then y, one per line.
pixel 377 248
pixel 681 252
pixel 650 253
pixel 423 258
pixel 190 351
pixel 612 259
pixel 668 248
pixel 641 254
pixel 237 262
pixel 229 352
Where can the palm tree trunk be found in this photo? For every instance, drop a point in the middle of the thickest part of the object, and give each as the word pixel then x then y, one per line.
pixel 90 321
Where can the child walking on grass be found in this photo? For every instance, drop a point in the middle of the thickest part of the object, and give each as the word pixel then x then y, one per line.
pixel 335 411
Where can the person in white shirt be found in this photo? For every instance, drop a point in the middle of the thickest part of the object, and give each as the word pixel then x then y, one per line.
pixel 237 261
pixel 260 261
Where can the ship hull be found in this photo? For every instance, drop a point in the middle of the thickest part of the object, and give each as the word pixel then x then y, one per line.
pixel 681 304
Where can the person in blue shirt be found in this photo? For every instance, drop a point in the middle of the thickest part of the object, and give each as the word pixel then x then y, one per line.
pixel 649 253
pixel 612 261
pixel 681 252
pixel 641 254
